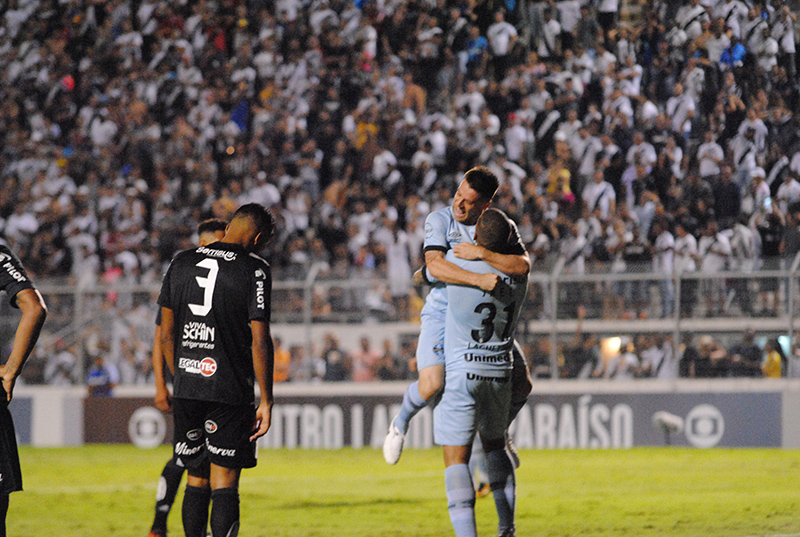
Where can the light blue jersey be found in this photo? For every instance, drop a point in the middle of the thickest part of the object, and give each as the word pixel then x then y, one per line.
pixel 479 336
pixel 479 326
pixel 442 232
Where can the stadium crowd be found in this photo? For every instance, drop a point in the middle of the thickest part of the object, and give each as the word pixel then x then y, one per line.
pixel 670 139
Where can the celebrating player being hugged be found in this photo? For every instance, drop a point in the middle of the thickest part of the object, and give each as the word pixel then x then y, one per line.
pixel 215 336
pixel 479 331
pixel 452 229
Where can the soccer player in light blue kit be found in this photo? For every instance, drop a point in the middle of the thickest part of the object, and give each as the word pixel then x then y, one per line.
pixel 479 329
pixel 453 228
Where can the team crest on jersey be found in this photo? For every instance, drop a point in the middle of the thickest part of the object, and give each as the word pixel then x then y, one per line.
pixel 194 434
pixel 211 427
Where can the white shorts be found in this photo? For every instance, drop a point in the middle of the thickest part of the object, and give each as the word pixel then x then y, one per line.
pixel 472 402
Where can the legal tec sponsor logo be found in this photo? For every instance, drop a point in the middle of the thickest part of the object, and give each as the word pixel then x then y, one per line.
pixel 194 434
pixel 211 426
pixel 260 291
pixel 206 367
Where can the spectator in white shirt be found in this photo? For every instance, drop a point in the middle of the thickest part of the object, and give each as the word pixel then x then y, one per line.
pixel 663 252
pixel 599 196
pixel 714 249
pixel 501 36
pixel 642 149
pixel 710 156
pixel 685 249
pixel 788 192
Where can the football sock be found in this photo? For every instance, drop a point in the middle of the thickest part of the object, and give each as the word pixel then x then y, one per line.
pixel 412 403
pixel 503 484
pixel 460 500
pixel 195 511
pixel 3 511
pixel 225 512
pixel 168 486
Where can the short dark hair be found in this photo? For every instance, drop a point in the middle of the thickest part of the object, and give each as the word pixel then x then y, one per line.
pixel 260 216
pixel 483 181
pixel 212 225
pixel 493 230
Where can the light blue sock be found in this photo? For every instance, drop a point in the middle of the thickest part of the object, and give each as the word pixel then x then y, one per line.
pixel 412 403
pixel 503 483
pixel 460 500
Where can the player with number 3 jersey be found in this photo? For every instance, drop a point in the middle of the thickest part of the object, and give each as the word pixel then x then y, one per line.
pixel 215 313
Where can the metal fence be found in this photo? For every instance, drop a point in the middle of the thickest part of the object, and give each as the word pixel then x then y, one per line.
pixel 117 320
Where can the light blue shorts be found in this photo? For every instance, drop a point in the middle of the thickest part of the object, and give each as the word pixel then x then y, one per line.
pixel 472 402
pixel 430 345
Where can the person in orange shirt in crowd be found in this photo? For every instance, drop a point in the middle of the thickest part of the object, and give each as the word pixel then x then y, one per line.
pixel 283 362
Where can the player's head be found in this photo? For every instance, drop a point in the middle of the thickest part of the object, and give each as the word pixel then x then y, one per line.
pixel 251 226
pixel 474 195
pixel 211 230
pixel 493 230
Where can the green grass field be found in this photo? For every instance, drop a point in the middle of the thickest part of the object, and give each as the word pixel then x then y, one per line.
pixel 108 491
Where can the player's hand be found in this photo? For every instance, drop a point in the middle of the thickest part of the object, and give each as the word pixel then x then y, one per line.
pixel 468 251
pixel 488 282
pixel 8 382
pixel 163 399
pixel 263 419
pixel 418 278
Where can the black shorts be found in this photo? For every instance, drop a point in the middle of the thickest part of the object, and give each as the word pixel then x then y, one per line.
pixel 214 431
pixel 10 473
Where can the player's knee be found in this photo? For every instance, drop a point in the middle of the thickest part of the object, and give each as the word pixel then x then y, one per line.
pixel 431 381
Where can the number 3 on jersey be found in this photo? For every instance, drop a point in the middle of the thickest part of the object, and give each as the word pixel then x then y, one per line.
pixel 487 329
pixel 207 284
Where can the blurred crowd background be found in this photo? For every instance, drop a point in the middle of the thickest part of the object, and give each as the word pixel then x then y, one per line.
pixel 654 136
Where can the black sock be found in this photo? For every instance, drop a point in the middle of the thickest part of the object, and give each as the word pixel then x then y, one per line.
pixel 195 511
pixel 225 512
pixel 3 511
pixel 168 486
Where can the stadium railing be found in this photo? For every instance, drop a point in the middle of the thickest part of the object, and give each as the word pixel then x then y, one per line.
pixel 118 319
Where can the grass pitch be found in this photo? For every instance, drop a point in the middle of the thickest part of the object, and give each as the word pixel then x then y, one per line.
pixel 108 491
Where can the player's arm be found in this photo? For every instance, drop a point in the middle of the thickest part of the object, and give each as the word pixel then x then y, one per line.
pixel 168 338
pixel 511 264
pixel 163 399
pixel 446 272
pixel 263 366
pixel 34 312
